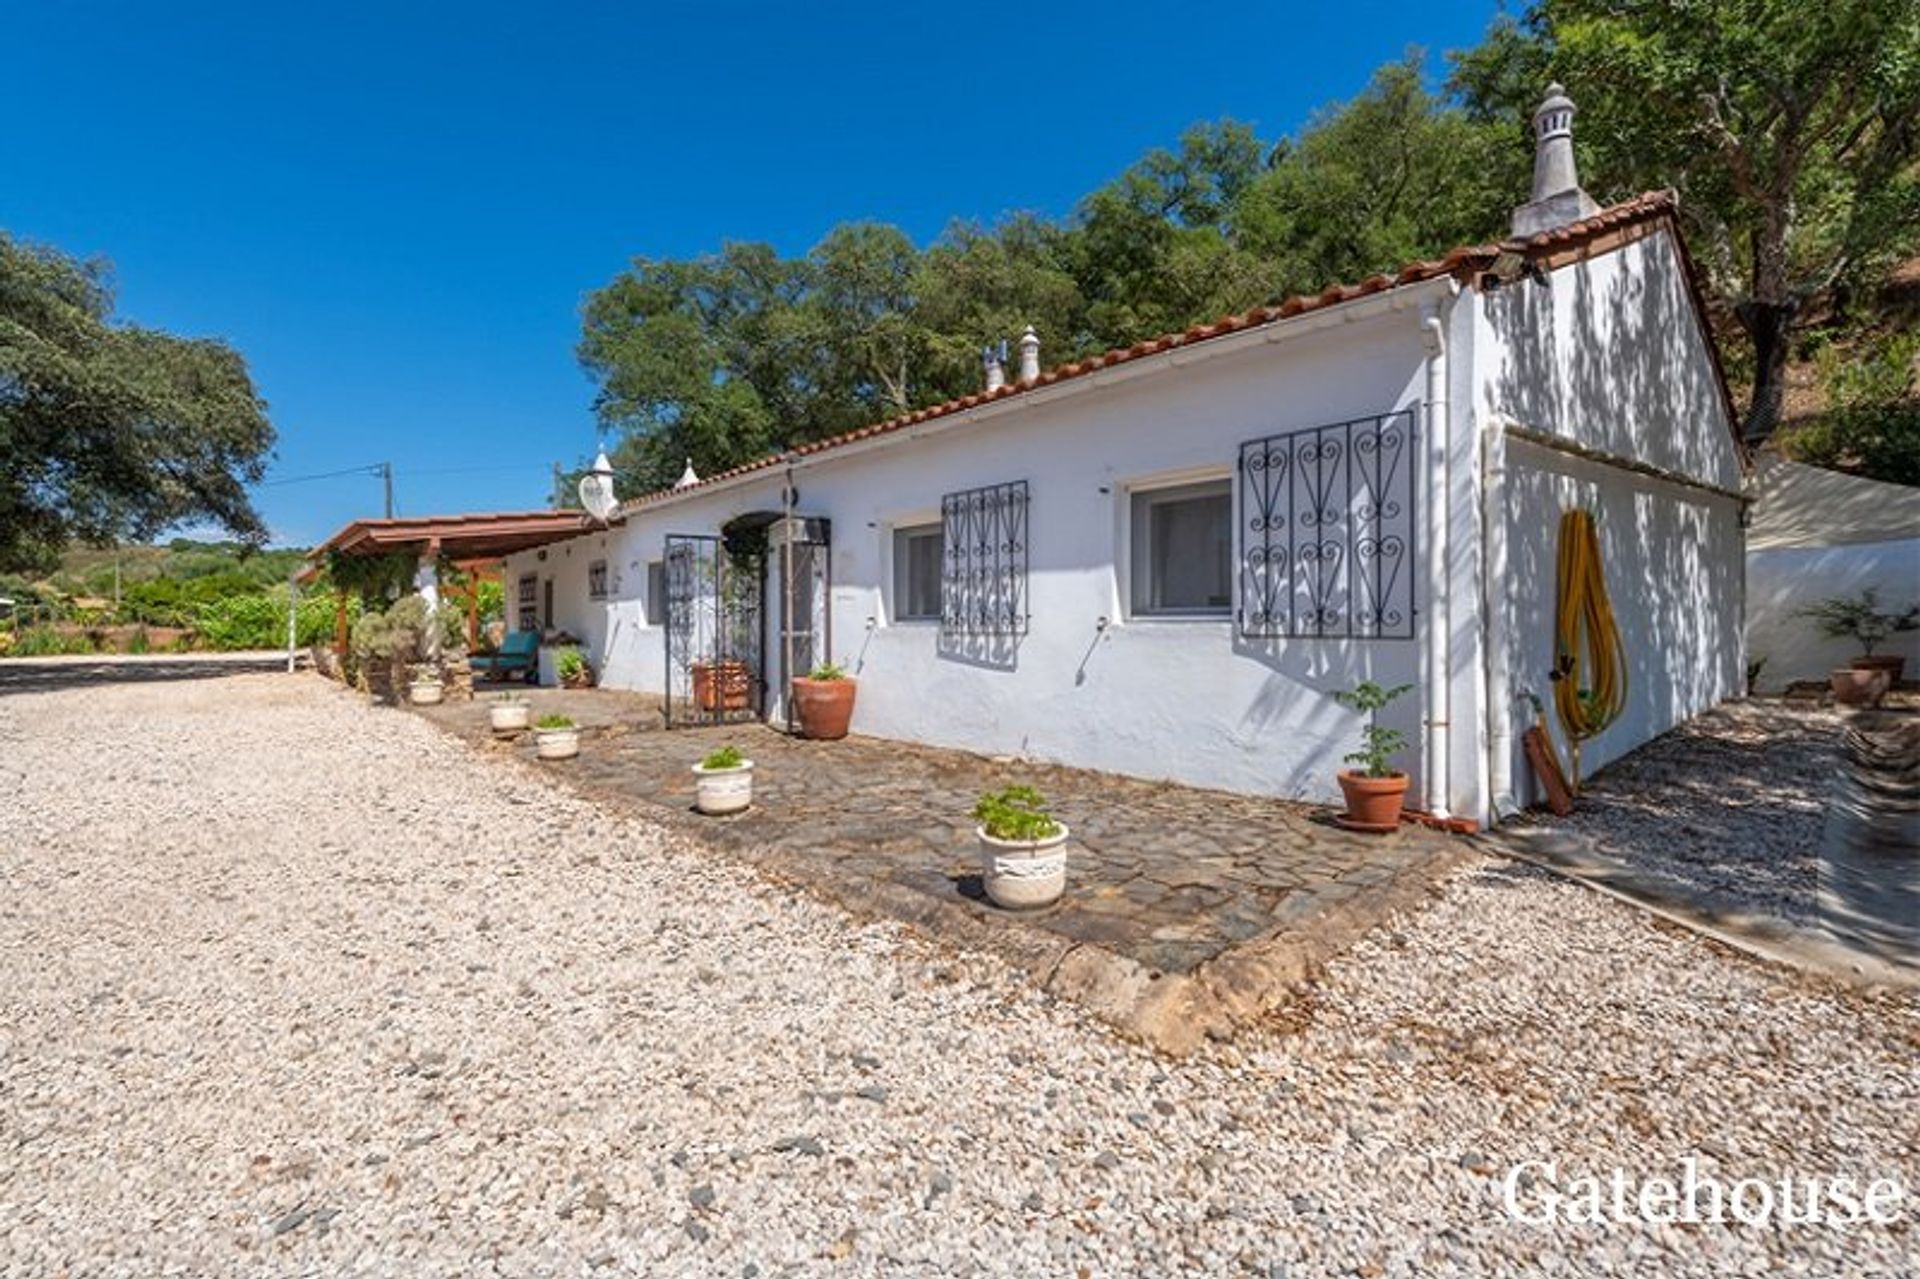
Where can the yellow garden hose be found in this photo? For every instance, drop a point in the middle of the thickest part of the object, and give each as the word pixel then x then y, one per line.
pixel 1590 665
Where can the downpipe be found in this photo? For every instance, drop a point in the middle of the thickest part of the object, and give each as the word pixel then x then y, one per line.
pixel 1438 772
pixel 1493 603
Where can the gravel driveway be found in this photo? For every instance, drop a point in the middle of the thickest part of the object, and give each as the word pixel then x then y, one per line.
pixel 293 986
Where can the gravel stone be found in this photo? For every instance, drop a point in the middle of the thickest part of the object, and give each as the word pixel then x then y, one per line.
pixel 269 893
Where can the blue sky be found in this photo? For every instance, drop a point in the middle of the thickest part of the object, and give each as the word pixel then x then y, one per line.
pixel 394 211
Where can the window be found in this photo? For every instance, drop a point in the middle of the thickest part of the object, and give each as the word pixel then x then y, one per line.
pixel 1183 550
pixel 656 592
pixel 529 594
pixel 597 580
pixel 916 573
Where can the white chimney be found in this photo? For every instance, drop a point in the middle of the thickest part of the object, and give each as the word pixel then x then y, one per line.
pixel 687 477
pixel 994 359
pixel 1557 197
pixel 1029 355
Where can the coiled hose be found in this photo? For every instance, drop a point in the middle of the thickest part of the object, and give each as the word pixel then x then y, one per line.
pixel 1590 665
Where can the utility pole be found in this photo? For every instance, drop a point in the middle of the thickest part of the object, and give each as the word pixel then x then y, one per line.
pixel 386 473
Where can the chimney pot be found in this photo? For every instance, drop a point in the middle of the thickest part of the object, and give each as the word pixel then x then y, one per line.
pixel 1557 197
pixel 1029 355
pixel 994 359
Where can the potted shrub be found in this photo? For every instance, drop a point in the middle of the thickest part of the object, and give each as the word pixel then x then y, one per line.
pixel 1023 849
pixel 555 737
pixel 823 702
pixel 722 686
pixel 426 688
pixel 509 713
pixel 723 782
pixel 1861 619
pixel 570 664
pixel 1375 790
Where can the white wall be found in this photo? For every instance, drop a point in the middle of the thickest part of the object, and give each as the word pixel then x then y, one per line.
pixel 1609 355
pixel 1186 700
pixel 1672 560
pixel 1782 582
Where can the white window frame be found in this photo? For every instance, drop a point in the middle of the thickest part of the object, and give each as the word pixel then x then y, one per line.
pixel 898 534
pixel 1133 561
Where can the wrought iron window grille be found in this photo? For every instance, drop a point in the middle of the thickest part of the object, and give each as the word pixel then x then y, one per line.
pixel 983 565
pixel 1327 531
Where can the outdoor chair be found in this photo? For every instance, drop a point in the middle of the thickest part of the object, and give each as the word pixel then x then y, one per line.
pixel 517 656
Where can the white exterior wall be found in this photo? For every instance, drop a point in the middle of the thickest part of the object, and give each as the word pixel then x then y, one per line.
pixel 1783 581
pixel 1181 699
pixel 1610 355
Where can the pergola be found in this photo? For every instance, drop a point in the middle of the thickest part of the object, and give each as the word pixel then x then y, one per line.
pixel 475 544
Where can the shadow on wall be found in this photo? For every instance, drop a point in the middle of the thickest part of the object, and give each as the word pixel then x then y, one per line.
pixel 1671 570
pixel 1315 669
pixel 989 652
pixel 1611 354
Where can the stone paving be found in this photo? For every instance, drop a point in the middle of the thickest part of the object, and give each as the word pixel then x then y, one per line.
pixel 1186 909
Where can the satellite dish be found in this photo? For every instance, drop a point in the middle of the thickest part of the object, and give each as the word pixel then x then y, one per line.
pixel 596 489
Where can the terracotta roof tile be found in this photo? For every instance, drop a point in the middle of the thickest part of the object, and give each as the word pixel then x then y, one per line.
pixel 1462 261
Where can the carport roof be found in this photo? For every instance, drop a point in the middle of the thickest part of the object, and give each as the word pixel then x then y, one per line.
pixel 488 535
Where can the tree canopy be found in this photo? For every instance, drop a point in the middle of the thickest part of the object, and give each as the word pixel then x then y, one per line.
pixel 1792 134
pixel 112 432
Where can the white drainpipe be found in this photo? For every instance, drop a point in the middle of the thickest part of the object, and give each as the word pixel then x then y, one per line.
pixel 1433 329
pixel 1493 605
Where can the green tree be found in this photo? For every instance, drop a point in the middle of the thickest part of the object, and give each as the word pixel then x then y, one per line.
pixel 1398 173
pixel 1791 131
pixel 1872 423
pixel 112 432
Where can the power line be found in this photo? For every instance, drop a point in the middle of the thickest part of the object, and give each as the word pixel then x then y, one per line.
pixel 373 469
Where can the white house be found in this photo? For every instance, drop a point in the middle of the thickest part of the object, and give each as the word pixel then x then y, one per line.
pixel 1160 561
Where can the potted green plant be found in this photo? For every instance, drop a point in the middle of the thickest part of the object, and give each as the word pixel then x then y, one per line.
pixel 823 702
pixel 570 664
pixel 555 737
pixel 1023 849
pixel 509 713
pixel 426 689
pixel 1375 790
pixel 1861 619
pixel 723 782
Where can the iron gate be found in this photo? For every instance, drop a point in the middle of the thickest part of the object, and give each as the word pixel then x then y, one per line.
pixel 714 670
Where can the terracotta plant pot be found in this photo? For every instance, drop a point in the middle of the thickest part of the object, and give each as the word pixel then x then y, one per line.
pixel 1373 803
pixel 824 707
pixel 1855 686
pixel 722 686
pixel 1892 663
pixel 1023 874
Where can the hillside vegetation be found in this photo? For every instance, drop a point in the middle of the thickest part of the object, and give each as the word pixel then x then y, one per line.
pixel 183 595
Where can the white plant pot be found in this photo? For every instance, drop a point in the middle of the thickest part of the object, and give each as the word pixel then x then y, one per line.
pixel 718 791
pixel 509 717
pixel 426 692
pixel 1021 874
pixel 556 743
